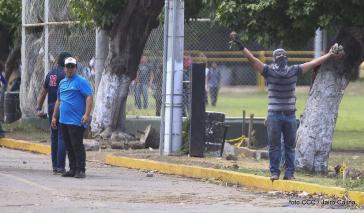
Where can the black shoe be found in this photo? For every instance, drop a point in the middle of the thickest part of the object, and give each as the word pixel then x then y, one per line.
pixel 289 177
pixel 55 171
pixel 80 174
pixel 70 173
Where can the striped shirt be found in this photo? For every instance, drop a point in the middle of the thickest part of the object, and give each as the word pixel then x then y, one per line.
pixel 281 87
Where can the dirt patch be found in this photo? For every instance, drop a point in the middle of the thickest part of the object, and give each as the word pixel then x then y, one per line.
pixel 208 162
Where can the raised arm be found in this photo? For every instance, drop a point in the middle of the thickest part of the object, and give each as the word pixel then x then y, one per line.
pixel 336 50
pixel 255 62
pixel 315 62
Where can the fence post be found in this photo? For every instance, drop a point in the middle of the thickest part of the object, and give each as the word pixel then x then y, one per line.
pixel 260 79
pixel 46 46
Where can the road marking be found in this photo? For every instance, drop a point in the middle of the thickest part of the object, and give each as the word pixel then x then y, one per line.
pixel 22 180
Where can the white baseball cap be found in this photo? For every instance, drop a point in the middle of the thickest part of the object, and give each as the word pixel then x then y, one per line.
pixel 70 60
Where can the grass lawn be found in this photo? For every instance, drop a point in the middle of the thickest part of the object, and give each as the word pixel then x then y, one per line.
pixel 349 133
pixel 355 185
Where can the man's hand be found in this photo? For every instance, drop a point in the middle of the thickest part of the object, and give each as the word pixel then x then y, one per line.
pixel 234 39
pixel 85 119
pixel 337 50
pixel 40 113
pixel 54 123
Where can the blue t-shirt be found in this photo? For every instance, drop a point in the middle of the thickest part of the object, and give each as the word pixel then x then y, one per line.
pixel 72 94
pixel 51 84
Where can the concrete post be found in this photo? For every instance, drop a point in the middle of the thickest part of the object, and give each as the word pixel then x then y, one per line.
pixel 318 43
pixel 174 77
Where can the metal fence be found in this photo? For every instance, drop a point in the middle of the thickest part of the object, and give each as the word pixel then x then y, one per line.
pixel 206 43
pixel 49 30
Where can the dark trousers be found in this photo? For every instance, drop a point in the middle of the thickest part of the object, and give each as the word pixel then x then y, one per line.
pixel 58 151
pixel 278 124
pixel 73 140
pixel 213 95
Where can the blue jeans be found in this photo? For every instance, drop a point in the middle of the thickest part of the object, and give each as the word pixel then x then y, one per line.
pixel 141 89
pixel 57 146
pixel 278 124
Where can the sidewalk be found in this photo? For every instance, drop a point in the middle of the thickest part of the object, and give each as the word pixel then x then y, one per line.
pixel 248 180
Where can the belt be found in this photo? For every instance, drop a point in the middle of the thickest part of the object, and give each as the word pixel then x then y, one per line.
pixel 283 112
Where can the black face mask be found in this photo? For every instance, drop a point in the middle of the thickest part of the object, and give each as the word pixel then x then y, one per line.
pixel 281 62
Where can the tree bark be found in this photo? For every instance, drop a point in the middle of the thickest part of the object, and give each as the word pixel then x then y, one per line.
pixel 32 75
pixel 5 40
pixel 128 36
pixel 102 46
pixel 315 133
pixel 13 61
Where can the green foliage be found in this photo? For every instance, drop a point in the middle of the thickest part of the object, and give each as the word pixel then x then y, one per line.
pixel 99 12
pixel 192 8
pixel 185 148
pixel 10 15
pixel 103 12
pixel 291 21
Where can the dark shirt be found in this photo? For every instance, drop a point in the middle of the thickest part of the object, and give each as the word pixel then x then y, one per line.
pixel 51 84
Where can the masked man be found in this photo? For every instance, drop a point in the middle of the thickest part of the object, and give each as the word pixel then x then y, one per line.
pixel 281 81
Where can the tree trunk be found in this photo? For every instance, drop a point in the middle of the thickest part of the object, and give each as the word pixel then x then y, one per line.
pixel 102 46
pixel 5 40
pixel 109 111
pixel 128 36
pixel 13 61
pixel 32 75
pixel 315 133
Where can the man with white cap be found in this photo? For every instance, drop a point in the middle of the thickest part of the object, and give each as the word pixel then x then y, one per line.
pixel 281 82
pixel 74 103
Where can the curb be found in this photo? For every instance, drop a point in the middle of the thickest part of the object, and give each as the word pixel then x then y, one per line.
pixel 25 146
pixel 242 179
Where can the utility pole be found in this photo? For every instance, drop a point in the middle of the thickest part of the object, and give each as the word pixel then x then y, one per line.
pixel 318 43
pixel 173 100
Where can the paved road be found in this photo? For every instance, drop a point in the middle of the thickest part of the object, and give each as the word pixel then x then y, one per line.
pixel 27 185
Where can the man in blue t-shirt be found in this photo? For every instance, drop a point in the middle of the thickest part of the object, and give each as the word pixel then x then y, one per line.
pixel 74 102
pixel 50 87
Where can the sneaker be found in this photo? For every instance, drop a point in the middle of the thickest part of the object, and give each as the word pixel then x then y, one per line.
pixel 288 177
pixel 70 173
pixel 61 171
pixel 274 177
pixel 80 174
